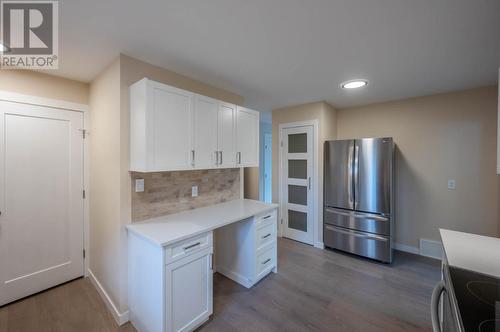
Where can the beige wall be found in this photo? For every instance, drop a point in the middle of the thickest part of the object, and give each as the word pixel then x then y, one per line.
pixel 43 85
pixel 439 137
pixel 105 163
pixel 251 181
pixel 326 116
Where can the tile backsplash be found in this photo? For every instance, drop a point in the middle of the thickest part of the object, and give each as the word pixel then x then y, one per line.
pixel 170 192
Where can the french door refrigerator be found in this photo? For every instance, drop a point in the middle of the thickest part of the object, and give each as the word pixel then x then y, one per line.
pixel 358 214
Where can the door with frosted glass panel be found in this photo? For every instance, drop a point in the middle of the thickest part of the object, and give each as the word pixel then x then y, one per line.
pixel 297 188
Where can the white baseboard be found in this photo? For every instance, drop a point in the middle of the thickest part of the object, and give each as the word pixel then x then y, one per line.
pixel 319 245
pixel 235 277
pixel 405 248
pixel 120 318
pixel 431 248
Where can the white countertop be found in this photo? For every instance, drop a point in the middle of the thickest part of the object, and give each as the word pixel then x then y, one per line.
pixel 472 252
pixel 171 228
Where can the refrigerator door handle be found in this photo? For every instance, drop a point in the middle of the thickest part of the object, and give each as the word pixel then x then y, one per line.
pixel 357 215
pixel 356 233
pixel 356 174
pixel 350 189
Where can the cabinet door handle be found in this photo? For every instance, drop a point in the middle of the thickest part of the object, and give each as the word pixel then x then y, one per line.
pixel 266 236
pixel 238 157
pixel 216 157
pixel 267 217
pixel 192 158
pixel 266 261
pixel 192 246
pixel 220 160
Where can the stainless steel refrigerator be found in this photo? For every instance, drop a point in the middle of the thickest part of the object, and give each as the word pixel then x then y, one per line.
pixel 358 214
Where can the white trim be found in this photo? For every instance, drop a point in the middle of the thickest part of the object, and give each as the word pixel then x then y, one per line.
pixel 69 106
pixel 319 245
pixel 40 101
pixel 315 124
pixel 86 201
pixel 405 248
pixel 431 248
pixel 120 318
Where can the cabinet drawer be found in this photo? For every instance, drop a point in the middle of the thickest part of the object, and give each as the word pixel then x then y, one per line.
pixel 266 219
pixel 266 235
pixel 186 247
pixel 266 260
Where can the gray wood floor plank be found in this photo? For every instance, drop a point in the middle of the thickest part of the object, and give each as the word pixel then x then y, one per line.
pixel 314 290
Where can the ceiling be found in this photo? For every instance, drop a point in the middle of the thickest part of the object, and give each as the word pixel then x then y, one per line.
pixel 278 53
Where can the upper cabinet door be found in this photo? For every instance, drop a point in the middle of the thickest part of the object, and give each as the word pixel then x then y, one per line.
pixel 161 126
pixel 247 137
pixel 206 153
pixel 227 135
pixel 170 123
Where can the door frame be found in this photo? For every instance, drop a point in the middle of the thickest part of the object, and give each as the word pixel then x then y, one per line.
pixel 315 184
pixel 70 107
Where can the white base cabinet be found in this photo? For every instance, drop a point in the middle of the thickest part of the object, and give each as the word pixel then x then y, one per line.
pixel 247 251
pixel 170 287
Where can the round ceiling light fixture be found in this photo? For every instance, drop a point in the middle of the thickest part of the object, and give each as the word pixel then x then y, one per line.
pixel 354 84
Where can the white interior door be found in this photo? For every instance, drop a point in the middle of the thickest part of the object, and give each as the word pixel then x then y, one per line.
pixel 296 179
pixel 41 183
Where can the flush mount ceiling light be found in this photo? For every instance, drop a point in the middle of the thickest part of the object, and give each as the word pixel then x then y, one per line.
pixel 354 84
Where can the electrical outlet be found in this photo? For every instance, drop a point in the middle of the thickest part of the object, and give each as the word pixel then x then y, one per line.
pixel 194 191
pixel 139 185
pixel 452 184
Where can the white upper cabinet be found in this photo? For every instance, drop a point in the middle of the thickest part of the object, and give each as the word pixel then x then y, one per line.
pixel 173 129
pixel 205 132
pixel 247 137
pixel 226 135
pixel 160 127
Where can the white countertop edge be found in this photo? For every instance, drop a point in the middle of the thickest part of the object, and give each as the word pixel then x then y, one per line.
pixel 132 229
pixel 477 253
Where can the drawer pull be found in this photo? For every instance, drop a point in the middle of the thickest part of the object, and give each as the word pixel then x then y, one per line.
pixel 192 246
pixel 267 217
pixel 266 236
pixel 266 261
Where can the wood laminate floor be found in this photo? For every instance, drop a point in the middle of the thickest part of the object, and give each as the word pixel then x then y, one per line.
pixel 314 290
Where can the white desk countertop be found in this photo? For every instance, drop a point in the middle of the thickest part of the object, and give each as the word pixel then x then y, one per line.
pixel 176 227
pixel 472 252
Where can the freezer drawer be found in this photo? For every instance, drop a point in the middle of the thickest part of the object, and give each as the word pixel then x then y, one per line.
pixel 364 222
pixel 360 243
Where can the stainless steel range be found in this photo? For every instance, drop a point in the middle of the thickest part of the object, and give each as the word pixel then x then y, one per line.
pixel 358 214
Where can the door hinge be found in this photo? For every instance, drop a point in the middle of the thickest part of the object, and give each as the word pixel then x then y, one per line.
pixel 281 221
pixel 83 194
pixel 84 133
pixel 281 143
pixel 83 253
